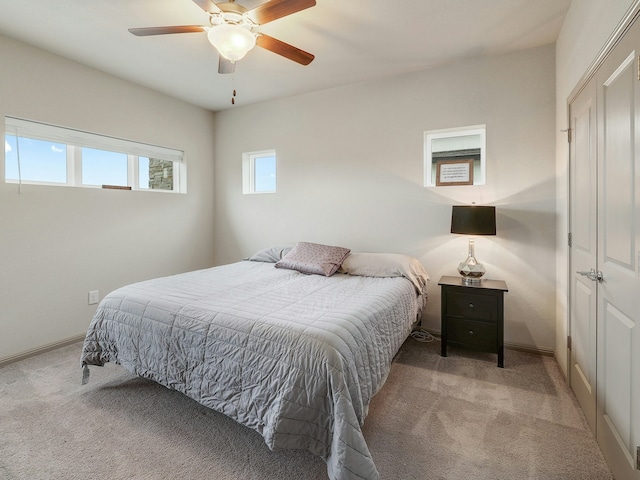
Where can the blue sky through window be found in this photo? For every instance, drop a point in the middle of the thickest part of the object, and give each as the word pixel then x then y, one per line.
pixel 40 160
pixel 46 161
pixel 265 174
pixel 100 167
pixel 143 175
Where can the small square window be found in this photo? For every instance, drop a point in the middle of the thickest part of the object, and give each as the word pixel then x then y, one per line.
pixel 259 172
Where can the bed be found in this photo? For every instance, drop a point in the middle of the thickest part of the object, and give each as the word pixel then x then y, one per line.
pixel 294 354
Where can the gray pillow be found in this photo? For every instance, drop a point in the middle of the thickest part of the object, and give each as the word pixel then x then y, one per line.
pixel 314 258
pixel 269 255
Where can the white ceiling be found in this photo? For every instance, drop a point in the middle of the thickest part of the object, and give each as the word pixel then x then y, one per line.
pixel 353 41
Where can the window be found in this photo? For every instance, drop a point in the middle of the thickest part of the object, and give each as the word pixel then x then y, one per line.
pixel 155 174
pixel 259 172
pixel 40 161
pixel 102 167
pixel 455 145
pixel 38 153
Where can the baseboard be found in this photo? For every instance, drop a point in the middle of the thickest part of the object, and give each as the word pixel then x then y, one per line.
pixel 37 351
pixel 548 352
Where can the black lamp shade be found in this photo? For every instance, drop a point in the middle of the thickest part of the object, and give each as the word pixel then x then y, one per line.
pixel 473 220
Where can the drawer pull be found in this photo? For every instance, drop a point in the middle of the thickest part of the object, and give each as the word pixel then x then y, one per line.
pixel 470 332
pixel 471 305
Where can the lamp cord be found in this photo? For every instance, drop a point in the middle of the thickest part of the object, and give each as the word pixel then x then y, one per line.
pixel 421 335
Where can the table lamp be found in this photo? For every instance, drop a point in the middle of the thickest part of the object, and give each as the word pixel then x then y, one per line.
pixel 472 220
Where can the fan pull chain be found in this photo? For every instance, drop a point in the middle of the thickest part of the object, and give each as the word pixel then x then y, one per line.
pixel 233 98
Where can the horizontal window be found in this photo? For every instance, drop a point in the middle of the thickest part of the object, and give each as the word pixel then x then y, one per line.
pixel 38 153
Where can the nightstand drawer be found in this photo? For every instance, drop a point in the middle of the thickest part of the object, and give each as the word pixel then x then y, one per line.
pixel 472 306
pixel 473 334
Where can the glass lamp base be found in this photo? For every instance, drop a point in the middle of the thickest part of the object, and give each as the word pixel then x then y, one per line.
pixel 471 270
pixel 471 276
pixel 471 280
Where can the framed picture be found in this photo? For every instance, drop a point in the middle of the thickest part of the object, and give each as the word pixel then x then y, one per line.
pixel 454 172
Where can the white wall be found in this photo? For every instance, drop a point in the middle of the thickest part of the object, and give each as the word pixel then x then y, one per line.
pixel 586 29
pixel 57 243
pixel 350 169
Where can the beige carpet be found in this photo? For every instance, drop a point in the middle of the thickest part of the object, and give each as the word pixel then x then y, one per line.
pixel 450 418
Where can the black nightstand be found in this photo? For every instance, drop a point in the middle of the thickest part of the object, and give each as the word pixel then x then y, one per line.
pixel 473 315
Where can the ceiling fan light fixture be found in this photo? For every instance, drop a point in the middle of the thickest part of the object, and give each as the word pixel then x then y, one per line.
pixel 232 41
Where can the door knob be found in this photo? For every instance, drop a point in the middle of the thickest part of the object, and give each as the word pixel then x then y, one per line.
pixel 592 275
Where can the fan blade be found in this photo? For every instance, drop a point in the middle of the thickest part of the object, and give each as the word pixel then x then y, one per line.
pixel 288 51
pixel 226 66
pixel 275 9
pixel 208 6
pixel 143 32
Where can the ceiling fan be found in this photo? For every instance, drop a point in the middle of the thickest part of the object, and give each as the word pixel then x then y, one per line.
pixel 232 30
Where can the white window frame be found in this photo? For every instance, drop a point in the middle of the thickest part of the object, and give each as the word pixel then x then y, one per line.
pixel 249 171
pixel 75 140
pixel 429 136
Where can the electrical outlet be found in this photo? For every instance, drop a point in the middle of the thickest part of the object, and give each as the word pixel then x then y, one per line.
pixel 93 297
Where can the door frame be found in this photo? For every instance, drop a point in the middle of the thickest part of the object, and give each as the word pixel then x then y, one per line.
pixel 632 14
pixel 584 104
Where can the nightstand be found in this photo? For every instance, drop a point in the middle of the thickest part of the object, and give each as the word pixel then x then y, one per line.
pixel 473 315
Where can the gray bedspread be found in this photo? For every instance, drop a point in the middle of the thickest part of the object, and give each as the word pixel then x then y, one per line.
pixel 296 357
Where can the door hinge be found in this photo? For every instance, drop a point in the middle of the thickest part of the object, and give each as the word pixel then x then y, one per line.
pixel 569 342
pixel 569 238
pixel 638 457
pixel 638 66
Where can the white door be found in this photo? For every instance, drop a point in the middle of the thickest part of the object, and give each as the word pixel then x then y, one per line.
pixel 618 304
pixel 583 250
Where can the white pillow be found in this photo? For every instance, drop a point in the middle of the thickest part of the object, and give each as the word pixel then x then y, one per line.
pixel 386 265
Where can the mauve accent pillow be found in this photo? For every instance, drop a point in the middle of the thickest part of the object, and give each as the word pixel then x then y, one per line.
pixel 314 258
pixel 386 265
